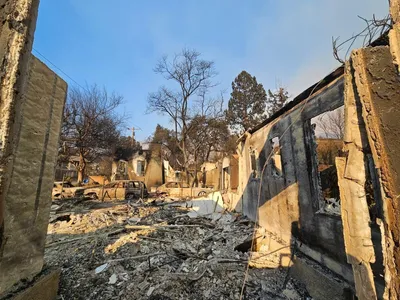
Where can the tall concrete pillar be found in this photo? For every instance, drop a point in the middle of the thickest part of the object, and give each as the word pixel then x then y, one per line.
pixel 394 34
pixel 17 26
pixel 28 198
pixel 32 98
pixel 378 86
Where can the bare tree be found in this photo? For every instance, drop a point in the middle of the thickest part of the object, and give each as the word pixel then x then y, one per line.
pixel 209 127
pixel 166 138
pixel 193 78
pixel 208 135
pixel 332 124
pixel 91 125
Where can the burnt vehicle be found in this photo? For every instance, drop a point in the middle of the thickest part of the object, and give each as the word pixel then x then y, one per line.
pixel 182 189
pixel 66 190
pixel 119 189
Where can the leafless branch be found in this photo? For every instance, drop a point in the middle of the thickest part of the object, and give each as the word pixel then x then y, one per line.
pixel 332 124
pixel 193 77
pixel 374 28
pixel 91 124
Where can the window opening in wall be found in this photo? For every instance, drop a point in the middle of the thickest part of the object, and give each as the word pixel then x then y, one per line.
pixel 253 162
pixel 234 174
pixel 226 178
pixel 276 158
pixel 140 168
pixel 326 132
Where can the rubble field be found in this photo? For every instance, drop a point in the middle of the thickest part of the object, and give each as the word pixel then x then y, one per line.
pixel 159 249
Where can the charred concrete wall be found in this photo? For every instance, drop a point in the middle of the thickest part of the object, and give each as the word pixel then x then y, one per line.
pixel 377 84
pixel 373 85
pixel 151 168
pixel 28 196
pixel 394 34
pixel 278 184
pixel 287 206
pixel 352 173
pixel 17 25
pixel 154 172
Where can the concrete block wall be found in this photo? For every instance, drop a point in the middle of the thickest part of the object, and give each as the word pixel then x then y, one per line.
pixel 286 206
pixel 153 176
pixel 394 34
pixel 378 84
pixel 17 26
pixel 28 199
pixel 352 177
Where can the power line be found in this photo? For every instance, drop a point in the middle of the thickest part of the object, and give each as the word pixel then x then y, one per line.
pixel 50 62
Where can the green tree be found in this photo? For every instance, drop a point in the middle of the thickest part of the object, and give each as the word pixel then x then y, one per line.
pixel 248 103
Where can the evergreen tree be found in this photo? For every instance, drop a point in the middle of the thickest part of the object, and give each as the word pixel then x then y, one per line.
pixel 248 103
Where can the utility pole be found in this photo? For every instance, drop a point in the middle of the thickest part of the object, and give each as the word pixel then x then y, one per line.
pixel 133 133
pixel 162 166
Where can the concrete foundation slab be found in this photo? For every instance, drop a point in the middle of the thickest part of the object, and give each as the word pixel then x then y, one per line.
pixel 45 287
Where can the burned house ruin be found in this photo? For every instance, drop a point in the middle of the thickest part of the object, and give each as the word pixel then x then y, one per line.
pixel 335 207
pixel 326 201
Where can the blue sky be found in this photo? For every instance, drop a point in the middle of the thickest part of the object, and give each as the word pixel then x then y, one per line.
pixel 117 43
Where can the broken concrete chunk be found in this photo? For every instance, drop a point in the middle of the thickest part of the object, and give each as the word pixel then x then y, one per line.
pixel 133 220
pixel 112 279
pixel 226 219
pixel 143 285
pixel 150 291
pixel 192 214
pixel 101 268
pixel 291 294
pixel 214 217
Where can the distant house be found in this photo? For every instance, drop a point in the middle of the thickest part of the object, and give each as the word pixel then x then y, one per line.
pixel 102 166
pixel 149 166
pixel 230 173
pixel 65 170
pixel 146 165
pixel 119 170
pixel 138 163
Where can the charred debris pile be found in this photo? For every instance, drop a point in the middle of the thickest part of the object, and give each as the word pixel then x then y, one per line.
pixel 160 249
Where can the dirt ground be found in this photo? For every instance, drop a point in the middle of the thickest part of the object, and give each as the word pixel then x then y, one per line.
pixel 158 250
